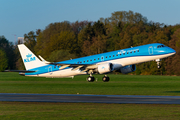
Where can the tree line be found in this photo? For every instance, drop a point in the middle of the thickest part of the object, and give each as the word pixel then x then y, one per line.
pixel 64 40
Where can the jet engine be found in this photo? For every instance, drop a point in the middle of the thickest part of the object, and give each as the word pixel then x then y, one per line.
pixel 128 69
pixel 105 68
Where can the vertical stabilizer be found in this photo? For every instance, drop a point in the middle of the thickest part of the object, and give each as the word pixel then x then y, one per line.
pixel 29 59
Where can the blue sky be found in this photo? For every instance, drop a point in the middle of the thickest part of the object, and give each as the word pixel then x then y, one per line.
pixel 18 17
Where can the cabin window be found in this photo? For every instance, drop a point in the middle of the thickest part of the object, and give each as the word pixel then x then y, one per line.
pixel 90 60
pixel 127 52
pixel 84 61
pixel 98 58
pixel 113 55
pixel 123 53
pixel 80 62
pixel 87 60
pixel 137 50
pixel 134 51
pixel 116 54
pixel 94 59
pixel 109 56
pixel 131 52
pixel 106 56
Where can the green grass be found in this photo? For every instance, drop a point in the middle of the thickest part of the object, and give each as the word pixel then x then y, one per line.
pixel 86 111
pixel 118 85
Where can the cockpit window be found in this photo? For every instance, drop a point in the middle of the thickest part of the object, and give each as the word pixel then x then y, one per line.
pixel 160 46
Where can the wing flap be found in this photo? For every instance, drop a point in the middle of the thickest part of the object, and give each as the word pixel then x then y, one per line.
pixel 77 68
pixel 63 66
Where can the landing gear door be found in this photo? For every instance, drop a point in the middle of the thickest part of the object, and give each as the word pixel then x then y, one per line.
pixel 150 49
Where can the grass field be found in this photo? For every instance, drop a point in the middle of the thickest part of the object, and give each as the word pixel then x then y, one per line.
pixel 118 85
pixel 87 111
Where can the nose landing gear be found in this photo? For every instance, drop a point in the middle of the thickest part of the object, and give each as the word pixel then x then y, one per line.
pixel 158 63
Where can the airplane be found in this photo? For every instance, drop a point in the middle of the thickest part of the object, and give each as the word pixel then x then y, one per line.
pixel 123 60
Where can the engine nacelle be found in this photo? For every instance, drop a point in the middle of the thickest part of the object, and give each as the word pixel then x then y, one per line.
pixel 105 68
pixel 128 69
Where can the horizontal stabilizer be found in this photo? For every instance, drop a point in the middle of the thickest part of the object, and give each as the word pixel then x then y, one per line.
pixel 23 71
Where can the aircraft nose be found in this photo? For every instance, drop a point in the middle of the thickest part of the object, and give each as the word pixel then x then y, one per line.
pixel 170 50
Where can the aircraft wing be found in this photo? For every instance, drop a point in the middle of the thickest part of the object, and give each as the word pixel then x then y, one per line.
pixel 85 67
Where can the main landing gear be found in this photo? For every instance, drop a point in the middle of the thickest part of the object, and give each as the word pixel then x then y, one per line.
pixel 91 78
pixel 105 78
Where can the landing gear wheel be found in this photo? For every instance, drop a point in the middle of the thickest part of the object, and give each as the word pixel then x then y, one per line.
pixel 105 78
pixel 90 79
pixel 159 66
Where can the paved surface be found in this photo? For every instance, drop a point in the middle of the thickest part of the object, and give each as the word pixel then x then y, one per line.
pixel 138 99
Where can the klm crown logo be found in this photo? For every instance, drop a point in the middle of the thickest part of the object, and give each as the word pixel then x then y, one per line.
pixel 29 55
pixel 29 58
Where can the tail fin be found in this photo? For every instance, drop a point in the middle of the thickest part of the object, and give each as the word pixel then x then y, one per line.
pixel 29 59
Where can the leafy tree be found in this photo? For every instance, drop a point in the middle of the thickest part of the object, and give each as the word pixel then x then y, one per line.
pixel 99 28
pixel 127 17
pixel 161 37
pixel 174 61
pixel 78 26
pixel 30 40
pixel 44 37
pixel 126 41
pixel 19 64
pixel 139 38
pixel 93 39
pixel 86 34
pixel 18 60
pixel 114 36
pixel 61 55
pixel 96 46
pixel 65 40
pixel 8 48
pixel 3 61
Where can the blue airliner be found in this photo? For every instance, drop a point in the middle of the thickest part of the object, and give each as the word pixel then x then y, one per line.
pixel 121 60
